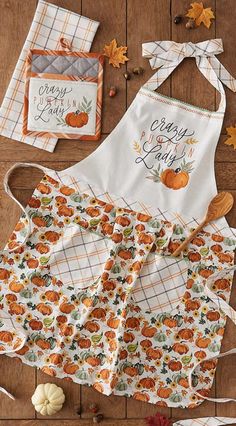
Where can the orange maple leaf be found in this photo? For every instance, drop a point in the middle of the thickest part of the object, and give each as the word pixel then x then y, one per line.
pixel 231 132
pixel 200 15
pixel 115 54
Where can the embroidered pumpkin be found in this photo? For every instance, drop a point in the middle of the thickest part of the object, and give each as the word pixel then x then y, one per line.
pixel 76 119
pixel 174 179
pixel 48 399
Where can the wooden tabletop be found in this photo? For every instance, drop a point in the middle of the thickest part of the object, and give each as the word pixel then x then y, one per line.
pixel 131 22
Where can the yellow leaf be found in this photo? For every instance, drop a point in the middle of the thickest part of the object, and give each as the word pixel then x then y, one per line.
pixel 115 54
pixel 191 141
pixel 137 148
pixel 200 15
pixel 231 132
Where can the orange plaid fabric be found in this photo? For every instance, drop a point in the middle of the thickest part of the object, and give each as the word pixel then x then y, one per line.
pixel 50 23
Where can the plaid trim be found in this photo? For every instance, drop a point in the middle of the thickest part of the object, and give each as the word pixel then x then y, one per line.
pixel 206 421
pixel 50 23
pixel 167 55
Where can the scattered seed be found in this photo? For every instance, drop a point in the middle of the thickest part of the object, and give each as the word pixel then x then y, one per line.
pixel 112 91
pixel 127 75
pixel 93 408
pixel 190 24
pixel 98 418
pixel 138 70
pixel 177 19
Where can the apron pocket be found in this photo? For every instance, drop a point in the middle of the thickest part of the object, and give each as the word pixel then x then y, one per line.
pixel 161 284
pixel 79 257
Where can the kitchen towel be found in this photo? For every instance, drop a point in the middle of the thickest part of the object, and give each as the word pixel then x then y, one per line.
pixel 50 24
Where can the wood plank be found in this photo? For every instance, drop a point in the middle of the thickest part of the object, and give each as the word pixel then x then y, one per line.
pixel 113 407
pixel 112 15
pixel 48 422
pixel 15 20
pixel 188 84
pixel 18 379
pixel 225 21
pixel 148 28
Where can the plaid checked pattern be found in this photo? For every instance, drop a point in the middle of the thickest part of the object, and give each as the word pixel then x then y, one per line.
pixel 162 281
pixel 50 23
pixel 167 55
pixel 206 421
pixel 79 257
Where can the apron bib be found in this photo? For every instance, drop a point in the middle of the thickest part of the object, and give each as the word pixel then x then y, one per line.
pixel 162 151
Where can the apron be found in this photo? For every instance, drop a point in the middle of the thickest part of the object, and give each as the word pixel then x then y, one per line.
pixel 95 333
pixel 162 151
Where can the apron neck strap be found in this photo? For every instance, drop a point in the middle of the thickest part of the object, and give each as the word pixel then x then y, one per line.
pixel 7 189
pixel 167 55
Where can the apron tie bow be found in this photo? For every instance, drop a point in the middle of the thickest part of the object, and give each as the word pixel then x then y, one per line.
pixel 167 55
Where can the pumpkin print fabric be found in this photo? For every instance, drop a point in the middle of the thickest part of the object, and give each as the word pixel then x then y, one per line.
pixel 97 335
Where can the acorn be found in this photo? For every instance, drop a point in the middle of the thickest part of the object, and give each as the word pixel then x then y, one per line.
pixel 190 24
pixel 93 408
pixel 98 418
pixel 127 75
pixel 138 70
pixel 112 91
pixel 177 19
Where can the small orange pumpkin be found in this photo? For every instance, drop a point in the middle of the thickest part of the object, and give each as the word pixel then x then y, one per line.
pixel 6 336
pixel 42 248
pixel 44 189
pixel 203 342
pixel 4 274
pixel 66 190
pixel 174 365
pixel 213 315
pixel 186 334
pixel 174 179
pixel 164 392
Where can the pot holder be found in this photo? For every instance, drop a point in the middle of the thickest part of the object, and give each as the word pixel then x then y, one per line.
pixel 49 24
pixel 63 94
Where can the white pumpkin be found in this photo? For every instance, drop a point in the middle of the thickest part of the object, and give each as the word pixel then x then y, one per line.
pixel 48 398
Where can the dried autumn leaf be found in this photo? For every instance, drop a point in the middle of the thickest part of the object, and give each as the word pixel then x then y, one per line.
pixel 231 132
pixel 201 15
pixel 115 54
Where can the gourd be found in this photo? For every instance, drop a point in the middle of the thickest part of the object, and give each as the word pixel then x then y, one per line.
pixel 48 398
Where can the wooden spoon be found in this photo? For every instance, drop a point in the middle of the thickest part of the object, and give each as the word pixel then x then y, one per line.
pixel 219 206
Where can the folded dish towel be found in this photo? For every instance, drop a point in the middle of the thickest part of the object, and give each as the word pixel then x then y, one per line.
pixel 50 23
